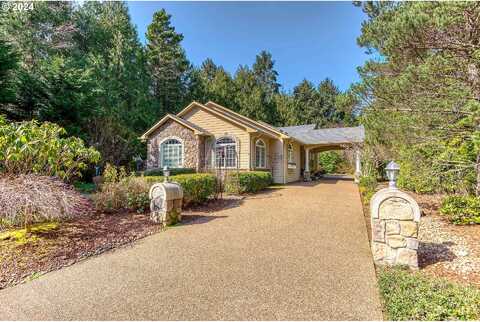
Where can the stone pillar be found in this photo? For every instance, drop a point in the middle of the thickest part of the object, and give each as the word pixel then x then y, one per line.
pixel 394 217
pixel 358 166
pixel 306 172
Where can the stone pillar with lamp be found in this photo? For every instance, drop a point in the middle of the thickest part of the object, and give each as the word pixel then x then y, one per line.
pixel 166 200
pixel 394 217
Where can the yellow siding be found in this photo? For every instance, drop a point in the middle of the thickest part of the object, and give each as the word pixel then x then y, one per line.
pixel 219 127
pixel 293 174
pixel 277 160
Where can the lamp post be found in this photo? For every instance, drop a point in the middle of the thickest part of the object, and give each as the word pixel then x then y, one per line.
pixel 166 173
pixel 392 171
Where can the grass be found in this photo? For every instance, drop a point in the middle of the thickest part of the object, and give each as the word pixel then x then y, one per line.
pixel 20 235
pixel 412 296
pixel 84 187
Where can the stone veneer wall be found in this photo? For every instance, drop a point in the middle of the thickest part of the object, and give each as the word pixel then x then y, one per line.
pixel 191 145
pixel 395 218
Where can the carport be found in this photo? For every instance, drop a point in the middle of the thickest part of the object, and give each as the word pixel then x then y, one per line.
pixel 315 140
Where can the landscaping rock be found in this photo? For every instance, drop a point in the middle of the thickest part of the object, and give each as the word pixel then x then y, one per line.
pixel 396 241
pixel 409 228
pixel 378 230
pixel 392 227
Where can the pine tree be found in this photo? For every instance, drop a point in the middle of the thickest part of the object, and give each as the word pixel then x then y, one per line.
pixel 266 75
pixel 167 62
pixel 422 98
pixel 327 113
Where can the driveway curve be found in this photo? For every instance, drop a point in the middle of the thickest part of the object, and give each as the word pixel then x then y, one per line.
pixel 298 252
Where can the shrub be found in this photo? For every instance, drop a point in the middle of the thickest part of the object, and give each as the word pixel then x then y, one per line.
pixel 367 186
pixel 248 182
pixel 197 188
pixel 126 192
pixel 330 161
pixel 174 171
pixel 31 147
pixel 26 199
pixel 461 210
pixel 411 296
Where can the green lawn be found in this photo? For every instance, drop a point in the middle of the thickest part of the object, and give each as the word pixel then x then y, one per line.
pixel 413 296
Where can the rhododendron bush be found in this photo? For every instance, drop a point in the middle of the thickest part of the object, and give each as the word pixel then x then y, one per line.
pixel 42 148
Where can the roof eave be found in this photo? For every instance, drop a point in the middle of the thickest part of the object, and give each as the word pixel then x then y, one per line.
pixel 173 118
pixel 218 113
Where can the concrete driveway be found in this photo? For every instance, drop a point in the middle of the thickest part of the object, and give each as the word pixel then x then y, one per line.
pixel 299 252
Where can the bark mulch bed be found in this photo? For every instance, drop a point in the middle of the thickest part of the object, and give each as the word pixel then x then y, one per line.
pixel 87 236
pixel 70 242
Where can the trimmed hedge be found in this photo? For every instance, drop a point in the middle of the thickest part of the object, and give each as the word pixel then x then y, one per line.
pixel 461 210
pixel 248 182
pixel 197 188
pixel 173 172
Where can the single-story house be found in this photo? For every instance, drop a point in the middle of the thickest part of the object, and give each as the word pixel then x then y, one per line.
pixel 209 136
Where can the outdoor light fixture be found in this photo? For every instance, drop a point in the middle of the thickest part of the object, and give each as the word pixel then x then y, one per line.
pixel 166 173
pixel 392 171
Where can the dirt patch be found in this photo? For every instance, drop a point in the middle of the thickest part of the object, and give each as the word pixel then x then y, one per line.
pixel 86 236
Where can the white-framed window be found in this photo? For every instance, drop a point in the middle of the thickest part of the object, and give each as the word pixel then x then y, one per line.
pixel 290 155
pixel 171 153
pixel 226 153
pixel 260 154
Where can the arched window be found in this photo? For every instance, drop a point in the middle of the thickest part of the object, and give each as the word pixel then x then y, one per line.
pixel 290 156
pixel 260 154
pixel 226 153
pixel 171 153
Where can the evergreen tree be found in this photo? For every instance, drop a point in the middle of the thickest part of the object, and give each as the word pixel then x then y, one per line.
pixel 327 113
pixel 8 66
pixel 266 75
pixel 250 98
pixel 209 69
pixel 422 97
pixel 306 103
pixel 115 59
pixel 167 63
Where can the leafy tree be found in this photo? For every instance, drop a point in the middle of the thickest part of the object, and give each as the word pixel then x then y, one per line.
pixel 167 62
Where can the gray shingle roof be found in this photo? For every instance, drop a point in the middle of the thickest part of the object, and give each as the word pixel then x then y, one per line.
pixel 307 134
